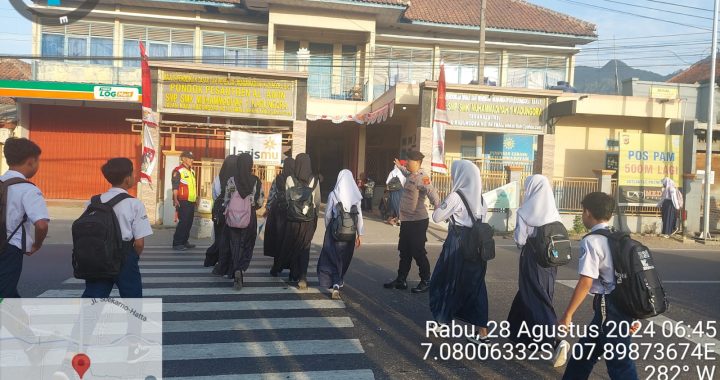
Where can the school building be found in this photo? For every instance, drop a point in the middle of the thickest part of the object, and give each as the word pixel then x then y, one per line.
pixel 351 82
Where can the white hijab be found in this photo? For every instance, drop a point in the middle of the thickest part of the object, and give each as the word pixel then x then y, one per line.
pixel 466 179
pixel 346 190
pixel 396 173
pixel 670 192
pixel 538 208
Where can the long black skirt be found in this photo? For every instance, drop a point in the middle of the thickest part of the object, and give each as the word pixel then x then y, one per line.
pixel 395 197
pixel 457 286
pixel 533 303
pixel 334 260
pixel 274 232
pixel 236 248
pixel 295 248
pixel 669 217
pixel 212 254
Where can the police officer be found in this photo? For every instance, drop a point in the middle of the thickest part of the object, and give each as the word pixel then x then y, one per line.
pixel 414 223
pixel 184 187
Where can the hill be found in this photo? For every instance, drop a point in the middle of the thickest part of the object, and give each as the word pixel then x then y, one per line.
pixel 593 80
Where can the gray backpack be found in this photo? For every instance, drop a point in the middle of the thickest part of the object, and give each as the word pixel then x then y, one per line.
pixel 344 225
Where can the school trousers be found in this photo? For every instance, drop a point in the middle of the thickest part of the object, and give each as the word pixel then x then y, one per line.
pixel 11 260
pixel 128 280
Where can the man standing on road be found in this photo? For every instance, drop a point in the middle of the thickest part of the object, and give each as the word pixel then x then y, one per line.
pixel 184 187
pixel 414 223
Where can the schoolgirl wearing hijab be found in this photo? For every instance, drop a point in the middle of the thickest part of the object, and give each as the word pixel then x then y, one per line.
pixel 229 166
pixel 395 196
pixel 295 247
pixel 276 216
pixel 237 244
pixel 457 286
pixel 670 204
pixel 336 255
pixel 533 303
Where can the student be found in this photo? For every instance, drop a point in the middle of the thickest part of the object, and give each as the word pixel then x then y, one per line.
pixel 25 208
pixel 228 170
pixel 368 193
pixel 533 303
pixel 213 252
pixel 414 223
pixel 395 176
pixel 336 255
pixel 184 185
pixel 457 286
pixel 276 211
pixel 236 248
pixel 295 246
pixel 134 227
pixel 670 204
pixel 597 277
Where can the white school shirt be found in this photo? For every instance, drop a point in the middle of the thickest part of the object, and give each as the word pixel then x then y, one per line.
pixel 23 199
pixel 596 262
pixel 131 215
pixel 330 213
pixel 216 189
pixel 453 206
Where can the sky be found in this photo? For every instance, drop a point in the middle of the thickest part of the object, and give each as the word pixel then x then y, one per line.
pixel 649 44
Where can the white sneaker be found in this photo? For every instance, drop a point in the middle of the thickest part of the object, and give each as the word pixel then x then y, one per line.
pixel 560 358
pixel 477 339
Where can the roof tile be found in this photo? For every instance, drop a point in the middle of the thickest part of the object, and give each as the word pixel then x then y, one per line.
pixel 699 72
pixel 13 69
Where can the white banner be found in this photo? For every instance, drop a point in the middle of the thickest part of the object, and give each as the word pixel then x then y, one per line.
pixel 264 149
pixel 440 122
pixel 505 196
pixel 149 147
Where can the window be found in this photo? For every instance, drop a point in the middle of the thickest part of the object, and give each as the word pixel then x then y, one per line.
pixel 101 47
pixel 398 64
pixel 461 67
pixel 234 49
pixel 159 42
pixel 350 87
pixel 535 71
pixel 81 39
pixel 291 55
pixel 131 53
pixel 53 45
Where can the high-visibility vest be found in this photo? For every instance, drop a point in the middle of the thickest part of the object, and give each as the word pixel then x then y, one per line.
pixel 187 191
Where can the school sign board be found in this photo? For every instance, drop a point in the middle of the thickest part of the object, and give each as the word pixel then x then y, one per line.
pixel 645 159
pixel 510 147
pixel 265 149
pixel 496 113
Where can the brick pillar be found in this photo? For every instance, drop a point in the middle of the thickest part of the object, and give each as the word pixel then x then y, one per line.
pixel 513 175
pixel 545 162
pixel 299 137
pixel 148 193
pixel 604 180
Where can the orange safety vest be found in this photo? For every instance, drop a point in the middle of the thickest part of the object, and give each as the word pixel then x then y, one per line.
pixel 187 190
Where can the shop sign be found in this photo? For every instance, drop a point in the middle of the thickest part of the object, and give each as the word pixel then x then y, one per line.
pixel 115 94
pixel 496 112
pixel 265 149
pixel 664 92
pixel 510 147
pixel 645 159
pixel 226 95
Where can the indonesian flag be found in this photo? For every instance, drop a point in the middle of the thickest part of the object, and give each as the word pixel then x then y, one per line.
pixel 149 121
pixel 440 121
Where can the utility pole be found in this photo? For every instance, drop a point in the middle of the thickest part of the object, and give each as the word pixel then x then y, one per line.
pixel 481 49
pixel 710 125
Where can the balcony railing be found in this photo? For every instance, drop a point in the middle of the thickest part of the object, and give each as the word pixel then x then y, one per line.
pixel 337 87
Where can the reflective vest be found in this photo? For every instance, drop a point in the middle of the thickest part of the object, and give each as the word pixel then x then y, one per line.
pixel 187 191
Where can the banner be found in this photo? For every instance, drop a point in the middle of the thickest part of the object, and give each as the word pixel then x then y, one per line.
pixel 264 149
pixel 510 147
pixel 440 122
pixel 149 123
pixel 645 159
pixel 505 196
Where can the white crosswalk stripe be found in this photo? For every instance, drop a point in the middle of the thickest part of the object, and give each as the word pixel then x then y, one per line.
pixel 265 325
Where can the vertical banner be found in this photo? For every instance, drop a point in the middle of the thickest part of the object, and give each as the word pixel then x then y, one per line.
pixel 645 159
pixel 149 122
pixel 440 121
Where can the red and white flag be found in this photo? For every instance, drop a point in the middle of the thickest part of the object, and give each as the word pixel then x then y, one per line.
pixel 149 121
pixel 440 122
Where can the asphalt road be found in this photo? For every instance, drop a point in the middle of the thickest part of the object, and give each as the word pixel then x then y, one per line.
pixel 374 332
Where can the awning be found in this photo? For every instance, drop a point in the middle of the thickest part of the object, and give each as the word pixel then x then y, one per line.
pixel 378 111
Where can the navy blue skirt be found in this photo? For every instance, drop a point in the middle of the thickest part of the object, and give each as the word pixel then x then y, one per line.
pixel 334 261
pixel 533 303
pixel 457 286
pixel 395 197
pixel 669 217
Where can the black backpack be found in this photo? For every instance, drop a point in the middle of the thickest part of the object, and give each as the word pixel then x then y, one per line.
pixel 638 291
pixel 3 213
pixel 395 184
pixel 98 248
pixel 479 242
pixel 344 224
pixel 301 202
pixel 552 245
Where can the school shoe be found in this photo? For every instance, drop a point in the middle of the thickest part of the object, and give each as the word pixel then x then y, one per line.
pixel 477 339
pixel 238 280
pixel 421 287
pixel 336 293
pixel 179 248
pixel 398 283
pixel 560 358
pixel 190 246
pixel 302 284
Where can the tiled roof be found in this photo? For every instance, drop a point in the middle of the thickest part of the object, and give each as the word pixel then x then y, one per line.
pixel 699 72
pixel 13 69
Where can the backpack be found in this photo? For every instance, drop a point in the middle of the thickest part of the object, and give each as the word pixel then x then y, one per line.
pixel 4 185
pixel 638 291
pixel 238 210
pixel 395 184
pixel 301 202
pixel 479 242
pixel 344 224
pixel 552 245
pixel 98 248
pixel 369 189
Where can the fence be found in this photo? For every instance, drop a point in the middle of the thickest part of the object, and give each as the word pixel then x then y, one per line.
pixel 570 191
pixel 206 171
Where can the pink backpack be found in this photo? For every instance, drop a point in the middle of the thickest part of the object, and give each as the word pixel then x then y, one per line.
pixel 239 210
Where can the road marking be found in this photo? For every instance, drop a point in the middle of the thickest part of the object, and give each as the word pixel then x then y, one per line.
pixel 660 320
pixel 152 270
pixel 360 374
pixel 188 263
pixel 261 349
pixel 165 292
pixel 256 324
pixel 182 307
pixel 209 279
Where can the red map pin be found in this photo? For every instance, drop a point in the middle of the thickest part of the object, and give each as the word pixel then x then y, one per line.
pixel 81 363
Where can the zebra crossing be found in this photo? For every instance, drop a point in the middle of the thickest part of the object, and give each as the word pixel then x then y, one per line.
pixel 268 330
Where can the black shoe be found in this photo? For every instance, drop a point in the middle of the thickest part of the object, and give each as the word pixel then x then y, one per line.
pixel 179 248
pixel 190 246
pixel 422 287
pixel 397 283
